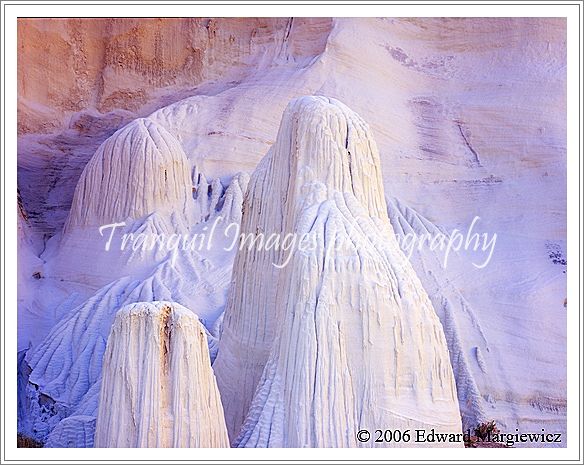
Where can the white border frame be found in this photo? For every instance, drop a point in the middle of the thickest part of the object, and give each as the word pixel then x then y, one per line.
pixel 571 10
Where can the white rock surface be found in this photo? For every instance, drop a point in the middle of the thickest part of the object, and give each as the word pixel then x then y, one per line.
pixel 453 310
pixel 158 388
pixel 481 361
pixel 138 178
pixel 352 338
pixel 73 431
pixel 66 366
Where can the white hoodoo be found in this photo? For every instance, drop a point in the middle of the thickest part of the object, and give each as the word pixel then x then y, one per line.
pixel 158 388
pixel 343 337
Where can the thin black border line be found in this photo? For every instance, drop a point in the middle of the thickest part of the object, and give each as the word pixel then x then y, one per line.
pixel 301 2
pixel 328 3
pixel 304 3
pixel 427 3
pixel 5 4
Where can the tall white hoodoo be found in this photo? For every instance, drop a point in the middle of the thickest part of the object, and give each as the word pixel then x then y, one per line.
pixel 158 388
pixel 343 337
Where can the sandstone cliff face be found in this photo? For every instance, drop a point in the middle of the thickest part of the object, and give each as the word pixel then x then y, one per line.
pixel 462 94
pixel 79 80
pixel 75 64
